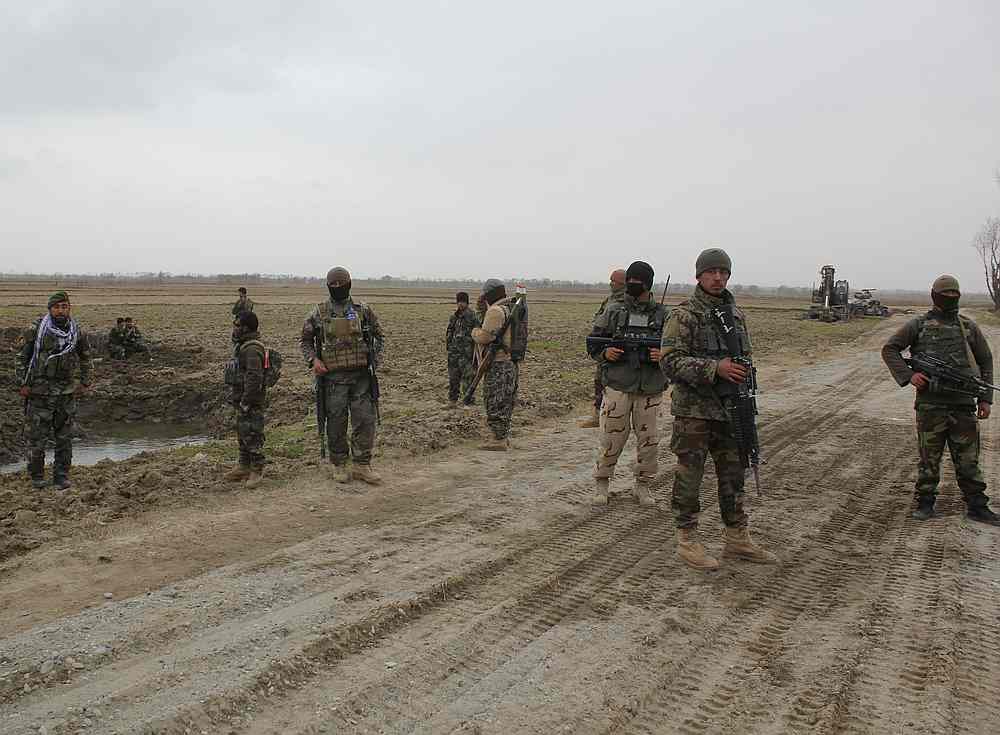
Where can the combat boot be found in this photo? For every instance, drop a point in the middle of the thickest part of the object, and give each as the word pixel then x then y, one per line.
pixel 256 477
pixel 238 473
pixel 642 494
pixel 983 514
pixel 924 510
pixel 39 482
pixel 341 473
pixel 495 445
pixel 365 473
pixel 739 545
pixel 600 496
pixel 691 551
pixel 591 422
pixel 61 482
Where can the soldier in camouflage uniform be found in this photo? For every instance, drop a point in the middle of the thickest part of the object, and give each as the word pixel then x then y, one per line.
pixel 249 397
pixel 945 417
pixel 617 279
pixel 116 340
pixel 695 359
pixel 458 340
pixel 633 384
pixel 338 339
pixel 242 303
pixel 134 341
pixel 53 350
pixel 502 377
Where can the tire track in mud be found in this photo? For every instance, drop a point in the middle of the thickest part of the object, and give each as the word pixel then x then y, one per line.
pixel 702 687
pixel 441 664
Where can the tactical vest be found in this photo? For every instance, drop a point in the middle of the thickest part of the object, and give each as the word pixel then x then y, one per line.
pixel 59 369
pixel 944 340
pixel 638 323
pixel 344 346
pixel 714 344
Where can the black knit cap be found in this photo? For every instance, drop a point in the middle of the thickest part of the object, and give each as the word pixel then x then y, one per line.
pixel 641 270
pixel 462 297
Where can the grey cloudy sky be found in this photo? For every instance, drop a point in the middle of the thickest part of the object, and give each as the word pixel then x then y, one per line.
pixel 480 138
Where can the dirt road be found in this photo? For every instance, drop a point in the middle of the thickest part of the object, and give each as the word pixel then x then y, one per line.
pixel 480 593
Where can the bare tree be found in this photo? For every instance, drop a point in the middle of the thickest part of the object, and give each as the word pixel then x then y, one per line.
pixel 987 244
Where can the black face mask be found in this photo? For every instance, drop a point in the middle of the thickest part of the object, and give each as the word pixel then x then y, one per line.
pixel 339 293
pixel 945 303
pixel 635 289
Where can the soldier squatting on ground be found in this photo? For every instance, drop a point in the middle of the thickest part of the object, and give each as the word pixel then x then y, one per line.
pixel 617 287
pixel 54 350
pixel 695 358
pixel 458 340
pixel 946 413
pixel 343 344
pixel 245 376
pixel 632 381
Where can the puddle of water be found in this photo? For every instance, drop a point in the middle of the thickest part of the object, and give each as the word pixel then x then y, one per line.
pixel 129 439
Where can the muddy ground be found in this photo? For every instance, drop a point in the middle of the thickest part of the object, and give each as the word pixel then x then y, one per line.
pixel 477 592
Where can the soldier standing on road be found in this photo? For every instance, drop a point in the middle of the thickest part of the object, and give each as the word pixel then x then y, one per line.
pixel 245 375
pixel 501 380
pixel 54 349
pixel 945 417
pixel 633 384
pixel 695 359
pixel 116 340
pixel 617 279
pixel 242 303
pixel 341 341
pixel 458 340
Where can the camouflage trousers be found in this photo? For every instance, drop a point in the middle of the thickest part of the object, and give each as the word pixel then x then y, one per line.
pixel 499 395
pixel 50 415
pixel 622 413
pixel 956 427
pixel 692 441
pixel 460 374
pixel 117 352
pixel 350 399
pixel 250 434
pixel 598 389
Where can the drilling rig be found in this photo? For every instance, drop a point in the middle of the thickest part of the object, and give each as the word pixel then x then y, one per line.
pixel 830 302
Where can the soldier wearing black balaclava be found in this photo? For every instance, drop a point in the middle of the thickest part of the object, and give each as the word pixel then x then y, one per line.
pixel 340 339
pixel 946 417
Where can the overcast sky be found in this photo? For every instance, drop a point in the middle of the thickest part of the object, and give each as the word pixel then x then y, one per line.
pixel 469 138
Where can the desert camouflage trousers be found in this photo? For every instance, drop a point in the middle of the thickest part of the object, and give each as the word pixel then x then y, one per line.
pixel 350 400
pixel 460 374
pixel 693 440
pixel 250 434
pixel 499 395
pixel 956 427
pixel 50 415
pixel 622 413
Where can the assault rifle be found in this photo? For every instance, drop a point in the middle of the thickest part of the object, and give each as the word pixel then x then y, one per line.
pixel 491 352
pixel 740 399
pixel 944 376
pixel 635 346
pixel 320 400
pixel 374 389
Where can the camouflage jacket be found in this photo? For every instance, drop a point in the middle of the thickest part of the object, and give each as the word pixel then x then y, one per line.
pixel 239 307
pixel 497 315
pixel 691 351
pixel 56 376
pixel 629 374
pixel 918 334
pixel 312 330
pixel 250 388
pixel 133 336
pixel 458 336
pixel 614 296
pixel 116 336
